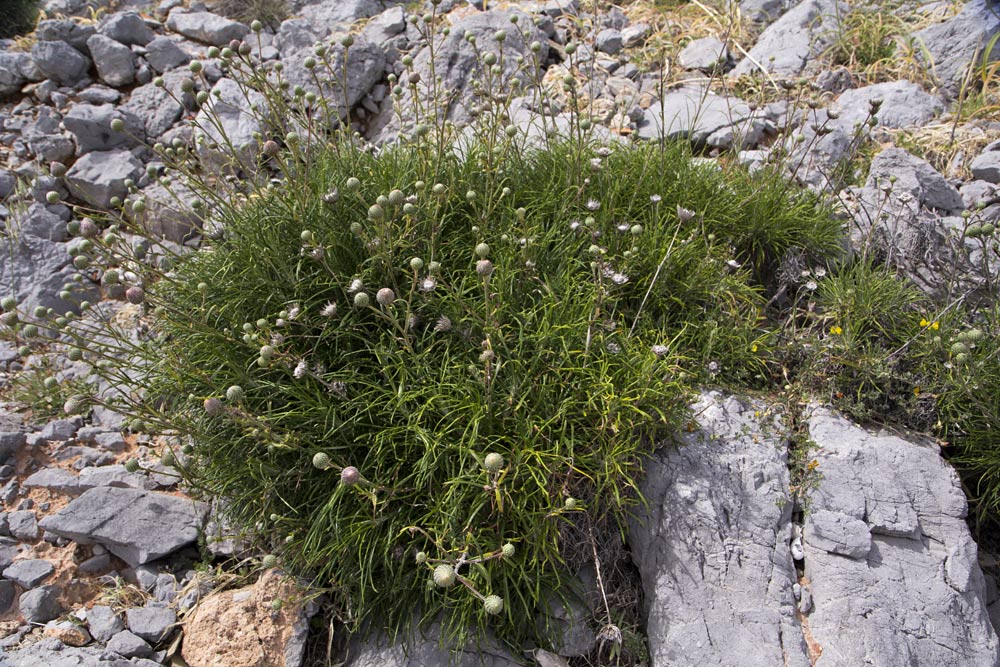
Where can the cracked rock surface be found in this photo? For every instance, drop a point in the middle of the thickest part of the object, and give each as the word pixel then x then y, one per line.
pixel 916 597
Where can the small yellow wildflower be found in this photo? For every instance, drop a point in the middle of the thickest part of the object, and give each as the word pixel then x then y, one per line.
pixel 929 325
pixel 813 465
pixel 835 330
pixel 753 348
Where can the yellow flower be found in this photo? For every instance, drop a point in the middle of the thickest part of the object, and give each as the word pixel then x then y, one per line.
pixel 935 325
pixel 813 465
pixel 835 330
pixel 926 324
pixel 753 348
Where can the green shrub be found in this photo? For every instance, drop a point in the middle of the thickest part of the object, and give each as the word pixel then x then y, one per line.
pixel 17 17
pixel 413 375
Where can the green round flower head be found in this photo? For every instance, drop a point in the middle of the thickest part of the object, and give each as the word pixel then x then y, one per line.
pixel 493 605
pixel 117 124
pixel 321 460
pixel 52 197
pixel 493 462
pixel 269 561
pixel 276 605
pixel 29 330
pixel 51 383
pixel 132 466
pixel 362 300
pixel 73 404
pixel 421 557
pixel 571 503
pixel 397 198
pixel 234 394
pixel 482 250
pixel 444 576
pixel 8 303
pixel 352 184
pixel 167 458
pixel 416 263
pixel 507 550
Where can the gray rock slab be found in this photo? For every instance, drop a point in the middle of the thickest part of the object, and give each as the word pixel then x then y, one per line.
pixel 29 572
pixel 153 623
pixel 712 544
pixel 915 176
pixel 127 28
pixel 912 600
pixel 702 117
pixel 423 650
pixel 904 104
pixel 38 271
pixel 37 220
pixel 137 526
pixel 56 479
pixel 329 15
pixel 23 524
pixel 91 126
pixel 706 53
pixel 163 54
pixel 206 27
pixel 75 33
pixel 954 43
pixel 40 605
pixel 159 108
pixel 237 122
pixel 129 645
pixel 60 62
pixel 986 165
pixel 103 622
pixel 11 442
pixel 114 61
pixel 59 430
pixel 8 594
pixel 100 175
pixel 11 78
pixel 609 41
pixel 788 45
pixel 366 67
pixel 762 11
pixel 115 476
pixel 386 25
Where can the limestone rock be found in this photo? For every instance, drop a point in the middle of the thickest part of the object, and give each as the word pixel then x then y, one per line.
pixel 712 547
pixel 239 628
pixel 74 33
pixel 127 28
pixel 163 54
pixel 60 62
pixel 424 648
pixel 702 117
pixel 114 61
pixel 914 176
pixel 786 46
pixel 100 175
pixel 954 43
pixel 137 526
pixel 206 27
pixel 238 118
pixel 986 166
pixel 91 126
pixel 706 54
pixel 917 597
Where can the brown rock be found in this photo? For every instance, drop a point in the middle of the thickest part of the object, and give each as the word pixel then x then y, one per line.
pixel 241 628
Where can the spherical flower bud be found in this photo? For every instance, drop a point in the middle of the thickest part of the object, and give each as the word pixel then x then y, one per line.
pixel 266 351
pixel 507 550
pixel 9 319
pixel 444 576
pixel 321 460
pixel 421 557
pixel 234 394
pixel 397 198
pixel 81 262
pixel 493 462
pixel 484 267
pixel 271 148
pixel 195 66
pixel 487 356
pixel 132 466
pixel 439 189
pixel 361 300
pixel 482 250
pixel 52 197
pixel 8 303
pixel 660 350
pixel 376 212
pixel 385 296
pixel 256 25
pixel 352 184
pixel 347 41
pixel 167 458
pixel 493 605
pixel 117 124
pixel 135 295
pixel 30 331
pixel 269 561
pixel 571 503
pixel 213 407
pixel 88 228
pixel 73 404
pixel 57 169
pixel 350 476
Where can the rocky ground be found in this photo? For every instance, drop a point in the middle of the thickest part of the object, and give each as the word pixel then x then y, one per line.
pixel 105 566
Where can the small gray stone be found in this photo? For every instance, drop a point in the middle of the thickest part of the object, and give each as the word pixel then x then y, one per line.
pixel 75 33
pixel 23 524
pixel 103 622
pixel 794 40
pixel 158 107
pixel 38 220
pixel 762 11
pixel 386 25
pixel 96 564
pixel 129 645
pixel 975 193
pixel 114 61
pixel 30 572
pixel 10 443
pixel 59 430
pixel 40 605
pixel 327 15
pixel 127 28
pixel 609 41
pixel 56 479
pixel 914 176
pixel 60 62
pixel 91 125
pixel 100 175
pixel 153 623
pixel 163 54
pixel 99 94
pixel 986 166
pixel 635 34
pixel 8 593
pixel 11 79
pixel 111 441
pixel 206 27
pixel 706 54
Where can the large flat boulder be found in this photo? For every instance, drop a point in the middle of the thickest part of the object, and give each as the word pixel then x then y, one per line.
pixel 137 526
